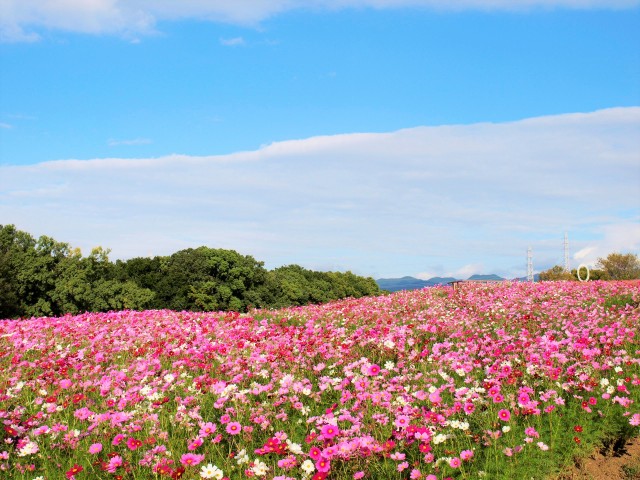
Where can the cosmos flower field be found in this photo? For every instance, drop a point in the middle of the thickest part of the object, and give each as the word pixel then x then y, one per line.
pixel 487 381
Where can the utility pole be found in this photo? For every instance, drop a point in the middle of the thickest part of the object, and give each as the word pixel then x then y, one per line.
pixel 566 252
pixel 529 265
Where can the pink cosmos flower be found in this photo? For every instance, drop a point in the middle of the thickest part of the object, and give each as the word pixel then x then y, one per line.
pixel 504 415
pixel 455 462
pixel 133 443
pixel 466 455
pixel 431 476
pixel 373 370
pixel 191 459
pixel 329 431
pixel 358 475
pixel 531 432
pixel 234 428
pixel 95 448
pixel 635 419
pixel 207 429
pixel 195 444
pixel 117 439
pixel 403 466
pixel 415 474
pixel 114 463
pixel 523 399
pixel 401 421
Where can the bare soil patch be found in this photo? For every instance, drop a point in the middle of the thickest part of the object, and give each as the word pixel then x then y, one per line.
pixel 620 461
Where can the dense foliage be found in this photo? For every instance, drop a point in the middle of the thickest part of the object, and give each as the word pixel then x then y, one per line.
pixel 46 277
pixel 502 381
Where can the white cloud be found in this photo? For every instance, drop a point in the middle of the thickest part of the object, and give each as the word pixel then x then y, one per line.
pixel 134 141
pixel 467 270
pixel 5 125
pixel 622 237
pixel 19 18
pixel 443 200
pixel 232 42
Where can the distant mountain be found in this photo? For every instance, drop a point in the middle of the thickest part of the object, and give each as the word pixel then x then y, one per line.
pixel 411 283
pixel 485 277
pixel 536 278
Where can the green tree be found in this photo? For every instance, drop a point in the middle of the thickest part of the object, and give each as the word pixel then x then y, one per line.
pixel 231 281
pixel 618 266
pixel 90 285
pixel 556 273
pixel 14 248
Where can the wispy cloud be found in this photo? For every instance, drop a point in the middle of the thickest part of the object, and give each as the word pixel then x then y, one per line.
pixel 21 19
pixel 452 199
pixel 134 141
pixel 232 42
pixel 5 125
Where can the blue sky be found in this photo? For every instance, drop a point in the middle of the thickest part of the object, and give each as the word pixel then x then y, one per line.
pixel 248 100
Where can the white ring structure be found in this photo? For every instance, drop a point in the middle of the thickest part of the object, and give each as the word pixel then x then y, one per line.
pixel 582 265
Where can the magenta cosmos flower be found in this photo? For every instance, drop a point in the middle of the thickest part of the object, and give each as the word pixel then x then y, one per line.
pixel 504 415
pixel 329 431
pixel 373 370
pixel 323 465
pixel 315 453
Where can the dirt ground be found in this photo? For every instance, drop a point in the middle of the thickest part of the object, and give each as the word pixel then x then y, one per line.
pixel 620 462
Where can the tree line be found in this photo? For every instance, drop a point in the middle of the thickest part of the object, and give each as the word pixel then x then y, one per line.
pixel 44 277
pixel 615 266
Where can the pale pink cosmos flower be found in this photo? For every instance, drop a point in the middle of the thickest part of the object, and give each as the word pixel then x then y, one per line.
pixel 466 455
pixel 234 428
pixel 455 462
pixel 531 432
pixel 401 421
pixel 403 466
pixel 415 474
pixel 95 448
pixel 358 475
pixel 207 429
pixel 114 463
